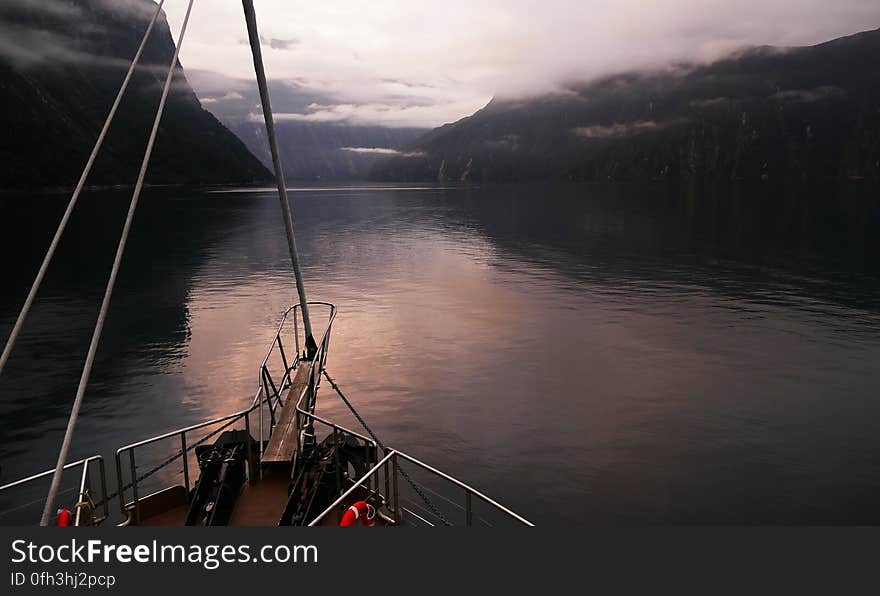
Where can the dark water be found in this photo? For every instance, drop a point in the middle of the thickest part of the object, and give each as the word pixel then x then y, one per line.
pixel 585 354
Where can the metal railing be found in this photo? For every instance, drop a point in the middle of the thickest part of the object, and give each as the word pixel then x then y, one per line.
pixel 272 384
pixel 268 399
pixel 388 467
pixel 85 495
pixel 132 508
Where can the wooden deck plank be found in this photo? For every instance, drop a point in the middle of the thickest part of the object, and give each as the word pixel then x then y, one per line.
pixel 282 444
pixel 263 503
pixel 172 517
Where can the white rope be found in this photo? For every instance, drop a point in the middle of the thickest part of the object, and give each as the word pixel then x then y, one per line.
pixel 19 323
pixel 102 315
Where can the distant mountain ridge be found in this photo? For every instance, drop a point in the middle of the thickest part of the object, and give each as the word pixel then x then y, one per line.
pixel 61 65
pixel 804 113
pixel 330 150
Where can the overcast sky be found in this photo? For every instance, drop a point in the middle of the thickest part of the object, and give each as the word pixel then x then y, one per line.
pixel 411 62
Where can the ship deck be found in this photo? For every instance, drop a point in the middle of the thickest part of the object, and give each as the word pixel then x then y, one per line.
pixel 260 504
pixel 282 444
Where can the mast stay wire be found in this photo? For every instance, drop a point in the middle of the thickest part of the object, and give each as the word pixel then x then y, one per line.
pixel 25 309
pixel 102 315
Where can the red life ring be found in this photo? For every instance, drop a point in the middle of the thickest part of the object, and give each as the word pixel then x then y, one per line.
pixel 359 511
pixel 63 517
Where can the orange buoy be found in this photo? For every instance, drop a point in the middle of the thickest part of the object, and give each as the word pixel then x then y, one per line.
pixel 63 517
pixel 359 511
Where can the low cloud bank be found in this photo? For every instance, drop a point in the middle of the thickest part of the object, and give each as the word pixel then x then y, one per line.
pixel 623 129
pixel 357 54
pixel 808 95
pixel 383 151
pixel 389 111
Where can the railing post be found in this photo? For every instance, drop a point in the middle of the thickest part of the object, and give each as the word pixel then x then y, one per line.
pixel 394 487
pixel 268 377
pixel 260 415
pixel 468 508
pixel 104 499
pixel 85 491
pixel 387 480
pixel 281 349
pixel 369 464
pixel 326 347
pixel 297 424
pixel 252 478
pixel 185 463
pixel 134 490
pixel 336 457
pixel 295 330
pixel 268 400
pixel 119 487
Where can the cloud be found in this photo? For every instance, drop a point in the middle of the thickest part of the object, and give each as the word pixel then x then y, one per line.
pixel 401 62
pixel 808 95
pixel 54 8
pixel 397 114
pixel 230 96
pixel 28 47
pixel 462 53
pixel 140 9
pixel 713 102
pixel 280 44
pixel 275 43
pixel 382 151
pixel 40 33
pixel 509 142
pixel 623 129
pixel 407 84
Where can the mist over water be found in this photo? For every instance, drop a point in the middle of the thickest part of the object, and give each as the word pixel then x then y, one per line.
pixel 583 354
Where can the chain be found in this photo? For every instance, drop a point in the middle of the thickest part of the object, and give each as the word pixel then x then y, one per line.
pixel 171 459
pixel 403 473
pixel 140 478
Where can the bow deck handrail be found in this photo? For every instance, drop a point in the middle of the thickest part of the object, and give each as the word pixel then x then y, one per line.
pixel 268 398
pixel 85 488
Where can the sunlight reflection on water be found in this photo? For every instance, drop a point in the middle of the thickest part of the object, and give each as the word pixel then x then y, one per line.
pixel 585 354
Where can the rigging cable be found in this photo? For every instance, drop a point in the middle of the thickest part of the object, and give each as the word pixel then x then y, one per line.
pixel 102 315
pixel 415 486
pixel 19 322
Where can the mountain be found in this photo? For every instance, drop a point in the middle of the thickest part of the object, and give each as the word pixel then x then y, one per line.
pixel 804 113
pixel 335 150
pixel 61 65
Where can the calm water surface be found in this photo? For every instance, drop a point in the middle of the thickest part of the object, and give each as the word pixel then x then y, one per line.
pixel 585 354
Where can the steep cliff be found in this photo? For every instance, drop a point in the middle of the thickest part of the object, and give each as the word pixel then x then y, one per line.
pixel 61 65
pixel 804 113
